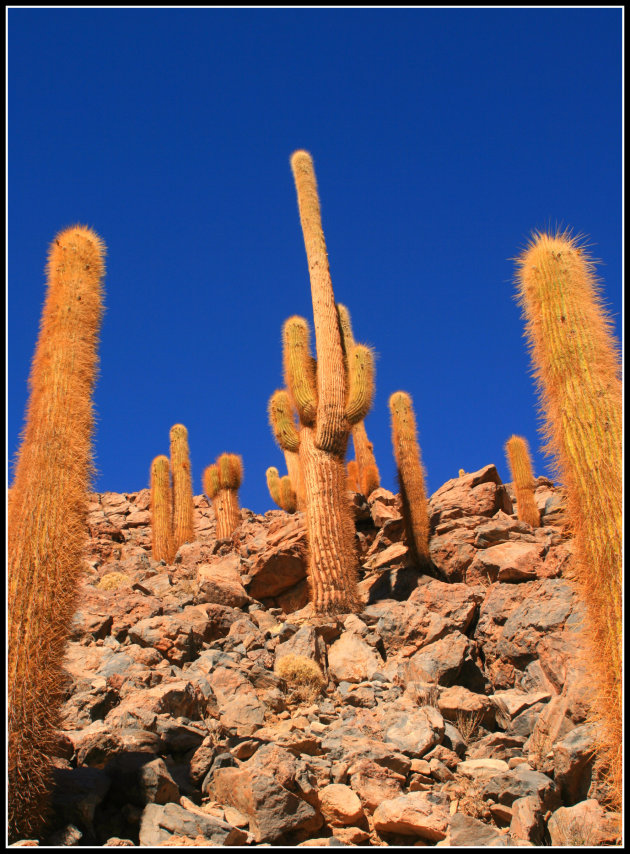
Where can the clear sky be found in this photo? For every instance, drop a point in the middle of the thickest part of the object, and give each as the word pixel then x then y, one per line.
pixel 441 138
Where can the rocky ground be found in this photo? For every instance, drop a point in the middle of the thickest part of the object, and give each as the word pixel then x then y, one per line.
pixel 452 709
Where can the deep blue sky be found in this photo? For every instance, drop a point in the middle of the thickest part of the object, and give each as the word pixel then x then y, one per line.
pixel 441 138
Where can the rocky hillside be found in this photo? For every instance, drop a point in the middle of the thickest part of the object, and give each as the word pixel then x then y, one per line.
pixel 450 711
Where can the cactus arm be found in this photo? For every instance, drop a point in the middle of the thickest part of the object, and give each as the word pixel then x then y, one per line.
pixel 361 383
pixel 331 425
pixel 281 421
pixel 299 368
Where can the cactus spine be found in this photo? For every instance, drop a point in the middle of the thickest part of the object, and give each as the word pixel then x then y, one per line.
pixel 183 508
pixel 517 452
pixel 47 516
pixel 368 478
pixel 162 510
pixel 221 482
pixel 329 397
pixel 577 369
pixel 411 476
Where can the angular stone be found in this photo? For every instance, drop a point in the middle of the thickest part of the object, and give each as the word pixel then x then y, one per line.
pixel 159 823
pixel 418 814
pixel 339 805
pixel 506 562
pixel 416 732
pixel 439 662
pixel 351 659
pixel 585 823
pixel 272 810
pixel 220 582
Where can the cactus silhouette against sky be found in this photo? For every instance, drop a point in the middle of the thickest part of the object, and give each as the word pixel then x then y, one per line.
pixel 517 452
pixel 162 546
pixel 47 516
pixel 221 482
pixel 183 508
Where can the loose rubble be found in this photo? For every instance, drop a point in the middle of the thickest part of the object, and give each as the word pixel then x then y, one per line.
pixel 454 709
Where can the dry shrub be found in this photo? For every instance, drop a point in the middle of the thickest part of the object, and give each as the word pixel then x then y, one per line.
pixel 303 676
pixel 113 580
pixel 467 724
pixel 573 830
pixel 469 797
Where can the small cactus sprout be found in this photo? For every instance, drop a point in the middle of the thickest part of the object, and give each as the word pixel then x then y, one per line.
pixel 46 518
pixel 183 507
pixel 461 473
pixel 221 482
pixel 517 452
pixel 162 546
pixel 411 475
pixel 578 371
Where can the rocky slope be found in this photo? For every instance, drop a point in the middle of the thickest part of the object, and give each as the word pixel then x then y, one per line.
pixel 453 708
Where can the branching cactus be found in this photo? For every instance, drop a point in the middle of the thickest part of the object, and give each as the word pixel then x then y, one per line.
pixel 368 478
pixel 221 482
pixel 161 510
pixel 411 476
pixel 517 452
pixel 577 368
pixel 183 508
pixel 329 395
pixel 281 490
pixel 47 518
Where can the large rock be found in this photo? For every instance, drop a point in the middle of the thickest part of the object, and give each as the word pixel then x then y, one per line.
pixel 479 493
pixel 272 810
pixel 506 562
pixel 414 732
pixel 419 814
pixel 585 823
pixel 439 662
pixel 281 564
pixel 339 805
pixel 351 659
pixel 220 582
pixel 573 759
pixel 161 822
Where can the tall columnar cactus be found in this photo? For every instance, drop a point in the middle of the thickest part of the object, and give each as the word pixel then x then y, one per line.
pixel 281 490
pixel 47 517
pixel 162 510
pixel 221 482
pixel 411 476
pixel 183 508
pixel 354 480
pixel 577 368
pixel 369 478
pixel 517 452
pixel 330 396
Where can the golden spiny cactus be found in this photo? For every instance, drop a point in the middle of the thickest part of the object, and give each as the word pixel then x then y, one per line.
pixel 183 507
pixel 47 517
pixel 329 396
pixel 411 475
pixel 577 368
pixel 368 477
pixel 517 452
pixel 161 510
pixel 352 470
pixel 221 482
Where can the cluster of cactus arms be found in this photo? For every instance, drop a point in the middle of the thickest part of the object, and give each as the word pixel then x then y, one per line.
pixel 578 370
pixel 162 510
pixel 411 476
pixel 221 482
pixel 281 490
pixel 366 477
pixel 172 507
pixel 520 464
pixel 330 395
pixel 47 518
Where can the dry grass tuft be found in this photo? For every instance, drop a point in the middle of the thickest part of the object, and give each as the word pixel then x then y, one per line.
pixel 303 676
pixel 467 724
pixel 113 580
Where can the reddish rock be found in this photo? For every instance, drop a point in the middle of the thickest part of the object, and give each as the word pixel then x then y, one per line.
pixel 509 562
pixel 220 582
pixel 418 814
pixel 340 806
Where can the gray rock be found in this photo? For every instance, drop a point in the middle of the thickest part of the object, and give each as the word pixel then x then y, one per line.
pixel 159 822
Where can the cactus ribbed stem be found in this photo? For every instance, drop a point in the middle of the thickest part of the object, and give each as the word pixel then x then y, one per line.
pixel 297 482
pixel 352 472
pixel 221 482
pixel 332 575
pixel 411 475
pixel 183 508
pixel 161 510
pixel 228 513
pixel 332 426
pixel 282 422
pixel 47 517
pixel 577 369
pixel 517 452
pixel 299 368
